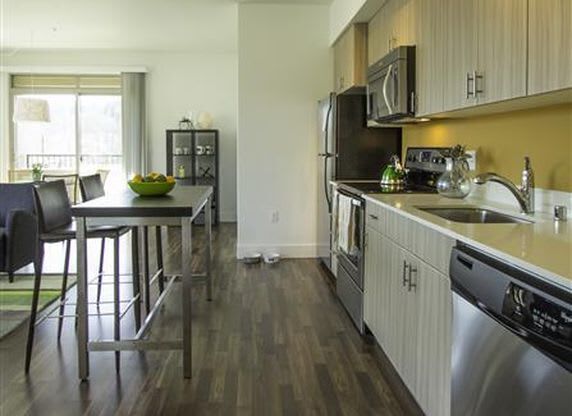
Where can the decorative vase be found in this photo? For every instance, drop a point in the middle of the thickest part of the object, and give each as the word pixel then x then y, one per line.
pixel 205 120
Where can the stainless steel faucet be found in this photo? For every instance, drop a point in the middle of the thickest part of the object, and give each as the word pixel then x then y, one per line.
pixel 523 194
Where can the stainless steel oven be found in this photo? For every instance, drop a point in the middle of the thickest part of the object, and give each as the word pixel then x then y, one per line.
pixel 349 247
pixel 391 87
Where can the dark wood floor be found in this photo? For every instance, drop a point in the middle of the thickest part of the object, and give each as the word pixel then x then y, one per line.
pixel 274 340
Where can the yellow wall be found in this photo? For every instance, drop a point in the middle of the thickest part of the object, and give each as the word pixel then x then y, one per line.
pixel 502 140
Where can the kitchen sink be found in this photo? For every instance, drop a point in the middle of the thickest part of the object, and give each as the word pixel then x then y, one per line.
pixel 473 215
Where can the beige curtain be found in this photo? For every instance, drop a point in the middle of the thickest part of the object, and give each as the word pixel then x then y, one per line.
pixel 135 146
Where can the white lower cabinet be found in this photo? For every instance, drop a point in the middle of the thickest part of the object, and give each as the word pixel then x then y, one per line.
pixel 408 308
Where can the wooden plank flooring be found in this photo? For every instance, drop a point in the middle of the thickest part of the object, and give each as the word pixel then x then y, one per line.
pixel 275 340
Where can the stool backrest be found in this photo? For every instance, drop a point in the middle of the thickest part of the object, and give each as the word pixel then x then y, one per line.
pixel 91 187
pixel 52 205
pixel 70 180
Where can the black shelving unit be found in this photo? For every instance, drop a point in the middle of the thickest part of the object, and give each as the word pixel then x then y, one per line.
pixel 198 152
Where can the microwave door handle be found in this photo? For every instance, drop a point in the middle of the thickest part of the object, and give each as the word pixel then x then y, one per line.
pixel 385 81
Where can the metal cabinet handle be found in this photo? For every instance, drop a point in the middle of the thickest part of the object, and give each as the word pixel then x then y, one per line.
pixel 405 279
pixel 374 217
pixel 470 81
pixel 477 77
pixel 412 285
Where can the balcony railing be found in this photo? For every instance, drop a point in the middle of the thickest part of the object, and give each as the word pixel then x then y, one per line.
pixel 67 162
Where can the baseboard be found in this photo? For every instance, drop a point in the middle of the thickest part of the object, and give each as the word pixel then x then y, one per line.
pixel 285 250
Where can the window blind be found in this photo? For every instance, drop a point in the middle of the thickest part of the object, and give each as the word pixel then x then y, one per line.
pixel 92 82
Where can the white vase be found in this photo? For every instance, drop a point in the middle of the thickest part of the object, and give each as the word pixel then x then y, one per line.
pixel 205 120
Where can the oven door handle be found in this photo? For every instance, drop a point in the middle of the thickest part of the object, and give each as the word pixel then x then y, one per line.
pixel 355 201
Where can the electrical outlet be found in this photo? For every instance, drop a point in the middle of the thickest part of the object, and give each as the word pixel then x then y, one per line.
pixel 472 161
pixel 275 217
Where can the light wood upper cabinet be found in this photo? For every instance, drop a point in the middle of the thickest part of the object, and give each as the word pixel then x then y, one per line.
pixel 350 58
pixel 550 45
pixel 485 58
pixel 430 58
pixel 378 35
pixel 501 41
pixel 460 56
pixel 392 26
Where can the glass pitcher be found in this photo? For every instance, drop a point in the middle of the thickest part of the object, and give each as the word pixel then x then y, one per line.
pixel 455 182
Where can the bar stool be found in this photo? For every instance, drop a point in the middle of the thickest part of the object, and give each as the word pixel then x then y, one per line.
pixel 56 225
pixel 92 187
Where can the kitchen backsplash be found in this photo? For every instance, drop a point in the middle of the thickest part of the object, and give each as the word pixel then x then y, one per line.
pixel 502 141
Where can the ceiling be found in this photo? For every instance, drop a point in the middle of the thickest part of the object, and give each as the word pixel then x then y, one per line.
pixel 202 25
pixel 166 25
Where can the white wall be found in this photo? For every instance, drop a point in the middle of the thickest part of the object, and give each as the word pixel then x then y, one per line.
pixel 284 67
pixel 345 12
pixel 176 83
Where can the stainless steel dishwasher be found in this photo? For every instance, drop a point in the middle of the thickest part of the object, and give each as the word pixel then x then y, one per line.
pixel 512 340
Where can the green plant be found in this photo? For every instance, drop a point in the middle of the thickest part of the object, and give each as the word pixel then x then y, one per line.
pixel 37 169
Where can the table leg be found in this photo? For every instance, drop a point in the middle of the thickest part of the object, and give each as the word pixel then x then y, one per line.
pixel 159 249
pixel 82 301
pixel 208 251
pixel 136 275
pixel 186 259
pixel 145 253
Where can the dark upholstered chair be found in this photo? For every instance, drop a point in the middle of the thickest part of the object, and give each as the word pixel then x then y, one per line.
pixel 92 187
pixel 70 180
pixel 18 227
pixel 56 225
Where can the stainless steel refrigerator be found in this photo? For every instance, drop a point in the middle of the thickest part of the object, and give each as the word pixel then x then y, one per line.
pixel 347 150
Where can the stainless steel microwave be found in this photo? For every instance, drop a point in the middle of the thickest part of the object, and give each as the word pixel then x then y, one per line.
pixel 391 87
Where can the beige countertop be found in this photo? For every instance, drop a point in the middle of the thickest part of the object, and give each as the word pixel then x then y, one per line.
pixel 543 247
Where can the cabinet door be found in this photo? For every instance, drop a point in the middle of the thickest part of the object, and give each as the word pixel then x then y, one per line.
pixel 350 60
pixel 433 354
pixel 370 279
pixel 460 53
pixel 550 45
pixel 502 50
pixel 342 55
pixel 430 50
pixel 391 310
pixel 378 36
pixel 410 272
pixel 401 15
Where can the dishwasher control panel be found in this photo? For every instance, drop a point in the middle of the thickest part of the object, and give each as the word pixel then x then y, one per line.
pixel 536 313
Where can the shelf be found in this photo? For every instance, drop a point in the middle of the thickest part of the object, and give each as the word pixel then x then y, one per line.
pixel 199 178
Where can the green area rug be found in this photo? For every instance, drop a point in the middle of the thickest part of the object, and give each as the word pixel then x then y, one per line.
pixel 16 298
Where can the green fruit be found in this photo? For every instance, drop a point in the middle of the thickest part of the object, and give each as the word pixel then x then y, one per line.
pixel 160 178
pixel 149 178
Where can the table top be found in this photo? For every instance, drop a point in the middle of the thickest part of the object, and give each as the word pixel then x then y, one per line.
pixel 183 201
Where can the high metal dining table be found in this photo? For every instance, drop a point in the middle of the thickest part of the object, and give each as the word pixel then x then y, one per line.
pixel 179 208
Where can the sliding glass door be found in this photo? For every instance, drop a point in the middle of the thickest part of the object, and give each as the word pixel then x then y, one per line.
pixel 83 135
pixel 100 146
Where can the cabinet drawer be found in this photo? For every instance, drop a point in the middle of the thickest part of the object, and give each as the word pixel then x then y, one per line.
pixel 427 244
pixel 373 216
